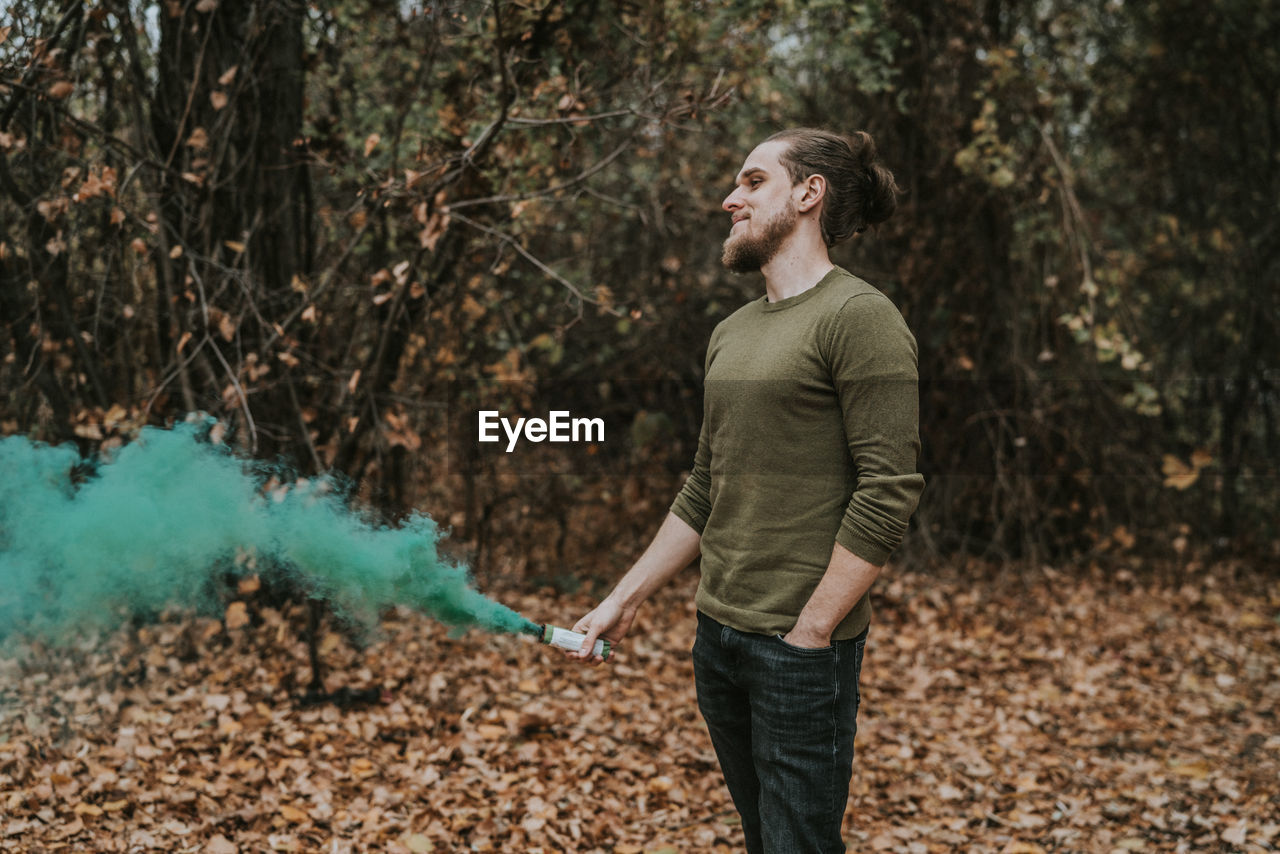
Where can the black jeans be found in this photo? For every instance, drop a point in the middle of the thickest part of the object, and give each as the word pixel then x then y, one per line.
pixel 782 720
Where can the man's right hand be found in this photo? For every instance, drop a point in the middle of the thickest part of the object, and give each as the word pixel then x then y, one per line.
pixel 608 620
pixel 673 548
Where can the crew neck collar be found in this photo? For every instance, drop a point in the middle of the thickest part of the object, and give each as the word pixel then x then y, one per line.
pixel 789 302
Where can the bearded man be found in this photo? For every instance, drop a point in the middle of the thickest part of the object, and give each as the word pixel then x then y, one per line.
pixel 803 484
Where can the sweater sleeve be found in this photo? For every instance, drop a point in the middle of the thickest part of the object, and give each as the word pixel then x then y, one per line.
pixel 693 503
pixel 873 365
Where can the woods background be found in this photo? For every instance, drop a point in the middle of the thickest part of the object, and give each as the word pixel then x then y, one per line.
pixel 336 226
pixel 341 227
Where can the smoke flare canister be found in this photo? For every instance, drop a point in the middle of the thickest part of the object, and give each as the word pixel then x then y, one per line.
pixel 572 641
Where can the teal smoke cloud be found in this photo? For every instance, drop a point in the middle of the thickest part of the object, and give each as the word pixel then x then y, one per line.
pixel 85 543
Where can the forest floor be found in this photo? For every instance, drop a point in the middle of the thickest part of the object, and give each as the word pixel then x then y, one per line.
pixel 1094 712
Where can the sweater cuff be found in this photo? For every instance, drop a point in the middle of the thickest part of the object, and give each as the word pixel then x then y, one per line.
pixel 680 508
pixel 871 552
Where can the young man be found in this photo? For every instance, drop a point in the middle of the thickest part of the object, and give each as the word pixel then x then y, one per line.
pixel 803 483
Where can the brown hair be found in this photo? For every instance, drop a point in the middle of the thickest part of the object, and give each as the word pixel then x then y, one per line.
pixel 860 191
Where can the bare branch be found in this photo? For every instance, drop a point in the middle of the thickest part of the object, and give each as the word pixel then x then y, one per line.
pixel 546 191
pixel 515 244
pixel 571 120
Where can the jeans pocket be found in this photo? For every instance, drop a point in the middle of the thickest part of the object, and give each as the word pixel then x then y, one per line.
pixel 805 650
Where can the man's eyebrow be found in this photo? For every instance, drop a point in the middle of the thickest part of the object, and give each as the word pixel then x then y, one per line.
pixel 749 171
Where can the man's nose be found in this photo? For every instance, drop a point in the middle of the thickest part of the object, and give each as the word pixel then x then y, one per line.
pixel 731 202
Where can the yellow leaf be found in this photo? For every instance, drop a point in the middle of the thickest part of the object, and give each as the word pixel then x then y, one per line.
pixel 61 89
pixel 228 76
pixel 371 142
pixel 1178 474
pixel 492 732
pixel 1198 770
pixel 218 99
pixel 234 245
pixel 293 814
pixel 1250 620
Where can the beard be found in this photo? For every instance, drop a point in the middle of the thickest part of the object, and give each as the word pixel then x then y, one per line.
pixel 746 254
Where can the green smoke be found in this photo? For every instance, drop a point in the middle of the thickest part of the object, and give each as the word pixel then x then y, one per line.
pixel 85 543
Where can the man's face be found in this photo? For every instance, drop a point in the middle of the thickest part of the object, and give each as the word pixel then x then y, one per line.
pixel 764 211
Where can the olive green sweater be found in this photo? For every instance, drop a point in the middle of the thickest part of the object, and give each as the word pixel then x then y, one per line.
pixel 809 437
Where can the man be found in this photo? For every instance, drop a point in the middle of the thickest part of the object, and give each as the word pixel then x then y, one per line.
pixel 803 483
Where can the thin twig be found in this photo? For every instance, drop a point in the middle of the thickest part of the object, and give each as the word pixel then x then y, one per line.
pixel 330 275
pixel 546 191
pixel 570 120
pixel 531 258
pixel 1073 203
pixel 244 400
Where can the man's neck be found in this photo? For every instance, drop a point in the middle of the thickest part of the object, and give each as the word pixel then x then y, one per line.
pixel 797 267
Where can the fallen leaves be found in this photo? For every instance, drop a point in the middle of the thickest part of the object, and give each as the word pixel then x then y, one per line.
pixel 1083 716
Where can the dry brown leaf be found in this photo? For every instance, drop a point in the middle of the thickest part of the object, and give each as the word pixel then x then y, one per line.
pixel 293 815
pixel 236 616
pixel 1178 474
pixel 1019 847
pixel 219 844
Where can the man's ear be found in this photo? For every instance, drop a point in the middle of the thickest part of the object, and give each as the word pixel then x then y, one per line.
pixel 814 191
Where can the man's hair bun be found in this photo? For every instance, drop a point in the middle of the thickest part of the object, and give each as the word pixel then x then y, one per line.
pixel 860 190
